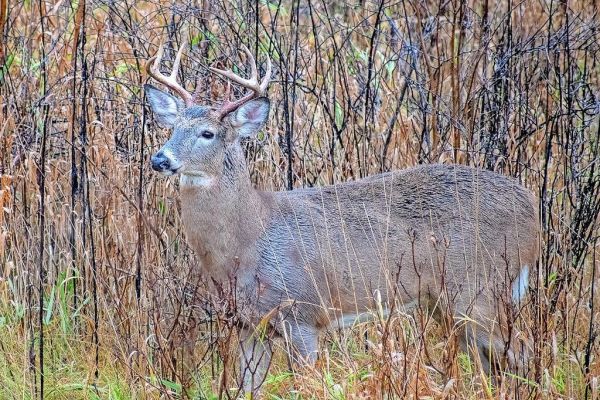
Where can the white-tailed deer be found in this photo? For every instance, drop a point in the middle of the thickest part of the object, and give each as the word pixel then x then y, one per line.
pixel 448 236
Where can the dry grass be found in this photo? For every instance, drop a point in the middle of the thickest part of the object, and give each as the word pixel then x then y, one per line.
pixel 97 283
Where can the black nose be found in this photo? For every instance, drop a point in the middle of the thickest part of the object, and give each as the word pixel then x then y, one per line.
pixel 160 162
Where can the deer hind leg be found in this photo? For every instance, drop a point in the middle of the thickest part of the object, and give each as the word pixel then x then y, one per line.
pixel 255 359
pixel 489 334
pixel 485 345
pixel 488 324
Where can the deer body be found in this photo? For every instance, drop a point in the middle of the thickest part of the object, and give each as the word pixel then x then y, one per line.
pixel 329 248
pixel 320 254
pixel 440 235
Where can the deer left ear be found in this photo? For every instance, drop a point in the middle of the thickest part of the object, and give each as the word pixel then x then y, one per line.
pixel 251 117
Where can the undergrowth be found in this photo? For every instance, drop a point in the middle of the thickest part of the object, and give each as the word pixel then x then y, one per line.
pixel 100 295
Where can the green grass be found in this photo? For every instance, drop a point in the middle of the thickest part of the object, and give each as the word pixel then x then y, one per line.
pixel 69 365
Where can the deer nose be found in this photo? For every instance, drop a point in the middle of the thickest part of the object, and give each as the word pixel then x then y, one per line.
pixel 160 162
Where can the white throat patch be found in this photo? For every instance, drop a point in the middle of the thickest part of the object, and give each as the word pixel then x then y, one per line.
pixel 197 180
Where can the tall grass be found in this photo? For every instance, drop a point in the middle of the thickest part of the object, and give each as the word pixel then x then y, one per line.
pixel 100 295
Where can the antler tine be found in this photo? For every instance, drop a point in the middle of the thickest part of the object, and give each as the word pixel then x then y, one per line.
pixel 253 69
pixel 178 59
pixel 267 79
pixel 153 69
pixel 257 88
pixel 158 57
pixel 247 83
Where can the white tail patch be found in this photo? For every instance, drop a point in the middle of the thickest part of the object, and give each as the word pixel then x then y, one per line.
pixel 519 287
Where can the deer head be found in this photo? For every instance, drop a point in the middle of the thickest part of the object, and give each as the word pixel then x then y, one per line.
pixel 202 135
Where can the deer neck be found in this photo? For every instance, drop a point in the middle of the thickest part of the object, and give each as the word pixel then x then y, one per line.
pixel 223 216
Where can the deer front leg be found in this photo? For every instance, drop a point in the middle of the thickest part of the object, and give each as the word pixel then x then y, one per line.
pixel 302 341
pixel 255 359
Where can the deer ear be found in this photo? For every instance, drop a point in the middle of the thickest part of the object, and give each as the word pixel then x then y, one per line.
pixel 251 117
pixel 164 106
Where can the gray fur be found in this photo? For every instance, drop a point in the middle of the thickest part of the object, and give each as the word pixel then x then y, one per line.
pixel 440 235
pixel 196 112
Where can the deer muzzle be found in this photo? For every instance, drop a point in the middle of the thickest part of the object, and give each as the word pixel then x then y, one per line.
pixel 164 164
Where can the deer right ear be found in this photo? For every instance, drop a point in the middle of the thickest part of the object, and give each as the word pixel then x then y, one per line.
pixel 251 117
pixel 164 106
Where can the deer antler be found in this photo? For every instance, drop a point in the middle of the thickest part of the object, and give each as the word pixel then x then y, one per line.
pixel 170 81
pixel 257 88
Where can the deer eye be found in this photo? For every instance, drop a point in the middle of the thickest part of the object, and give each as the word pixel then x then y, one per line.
pixel 207 134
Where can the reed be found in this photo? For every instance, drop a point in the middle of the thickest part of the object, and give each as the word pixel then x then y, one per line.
pixel 100 295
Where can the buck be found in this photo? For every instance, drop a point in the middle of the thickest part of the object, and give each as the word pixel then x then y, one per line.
pixel 449 236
